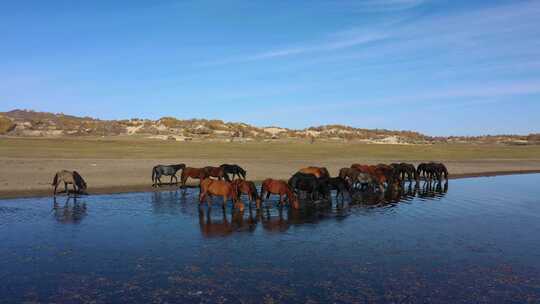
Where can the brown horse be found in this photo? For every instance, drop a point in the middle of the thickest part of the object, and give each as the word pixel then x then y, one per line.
pixel 350 175
pixel 248 188
pixel 218 172
pixel 225 189
pixel 197 173
pixel 376 174
pixel 317 171
pixel 279 187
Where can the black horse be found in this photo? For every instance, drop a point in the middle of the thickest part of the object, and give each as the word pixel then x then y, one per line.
pixel 235 170
pixel 311 184
pixel 168 170
pixel 339 184
pixel 405 170
pixel 432 170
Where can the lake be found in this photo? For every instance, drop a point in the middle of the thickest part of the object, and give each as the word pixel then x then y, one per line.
pixel 472 240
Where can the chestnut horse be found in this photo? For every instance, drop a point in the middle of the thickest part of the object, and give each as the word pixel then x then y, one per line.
pixel 317 171
pixel 225 189
pixel 248 188
pixel 279 187
pixel 197 173
pixel 218 172
pixel 376 174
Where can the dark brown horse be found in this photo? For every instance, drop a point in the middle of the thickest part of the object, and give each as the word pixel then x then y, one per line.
pixel 217 172
pixel 69 177
pixel 390 173
pixel 350 175
pixel 279 187
pixel 210 187
pixel 317 171
pixel 196 173
pixel 405 171
pixel 248 188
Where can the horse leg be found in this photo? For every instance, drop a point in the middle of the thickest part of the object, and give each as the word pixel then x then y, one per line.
pixel 74 190
pixel 183 180
pixel 202 196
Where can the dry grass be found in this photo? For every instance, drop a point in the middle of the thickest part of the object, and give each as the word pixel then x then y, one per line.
pixel 133 148
pixel 5 125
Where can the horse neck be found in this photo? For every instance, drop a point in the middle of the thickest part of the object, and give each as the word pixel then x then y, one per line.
pixel 289 193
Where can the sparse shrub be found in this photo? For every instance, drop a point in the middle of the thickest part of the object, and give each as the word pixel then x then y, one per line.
pixel 6 125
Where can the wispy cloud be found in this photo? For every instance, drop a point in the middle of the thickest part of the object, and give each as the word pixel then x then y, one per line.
pixel 333 44
pixel 387 5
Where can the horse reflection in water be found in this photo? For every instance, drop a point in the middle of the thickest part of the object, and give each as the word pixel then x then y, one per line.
pixel 432 190
pixel 427 189
pixel 69 213
pixel 222 226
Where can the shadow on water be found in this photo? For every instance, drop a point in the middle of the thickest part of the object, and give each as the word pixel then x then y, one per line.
pixel 70 212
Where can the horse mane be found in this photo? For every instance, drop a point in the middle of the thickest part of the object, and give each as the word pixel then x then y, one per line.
pixel 179 166
pixel 79 180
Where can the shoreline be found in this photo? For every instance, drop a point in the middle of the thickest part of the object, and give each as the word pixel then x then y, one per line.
pixel 119 189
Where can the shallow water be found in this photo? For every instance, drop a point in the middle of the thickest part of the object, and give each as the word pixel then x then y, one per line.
pixel 475 241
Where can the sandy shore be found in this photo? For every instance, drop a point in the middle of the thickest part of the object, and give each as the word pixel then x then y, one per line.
pixel 32 177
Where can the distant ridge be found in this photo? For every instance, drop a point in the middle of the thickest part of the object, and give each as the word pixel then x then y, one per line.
pixel 27 123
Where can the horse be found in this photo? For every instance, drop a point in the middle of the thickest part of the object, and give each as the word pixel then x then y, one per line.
pixel 365 180
pixel 317 171
pixel 248 188
pixel 235 170
pixel 391 175
pixel 350 175
pixel 225 189
pixel 310 184
pixel 432 169
pixel 405 170
pixel 197 173
pixel 218 172
pixel 279 187
pixel 69 177
pixel 168 170
pixel 376 175
pixel 441 170
pixel 339 184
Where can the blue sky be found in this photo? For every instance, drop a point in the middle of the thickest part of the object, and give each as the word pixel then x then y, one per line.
pixel 434 66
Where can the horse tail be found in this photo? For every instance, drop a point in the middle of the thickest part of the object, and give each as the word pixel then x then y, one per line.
pixel 55 179
pixel 243 172
pixel 254 190
pixel 153 175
